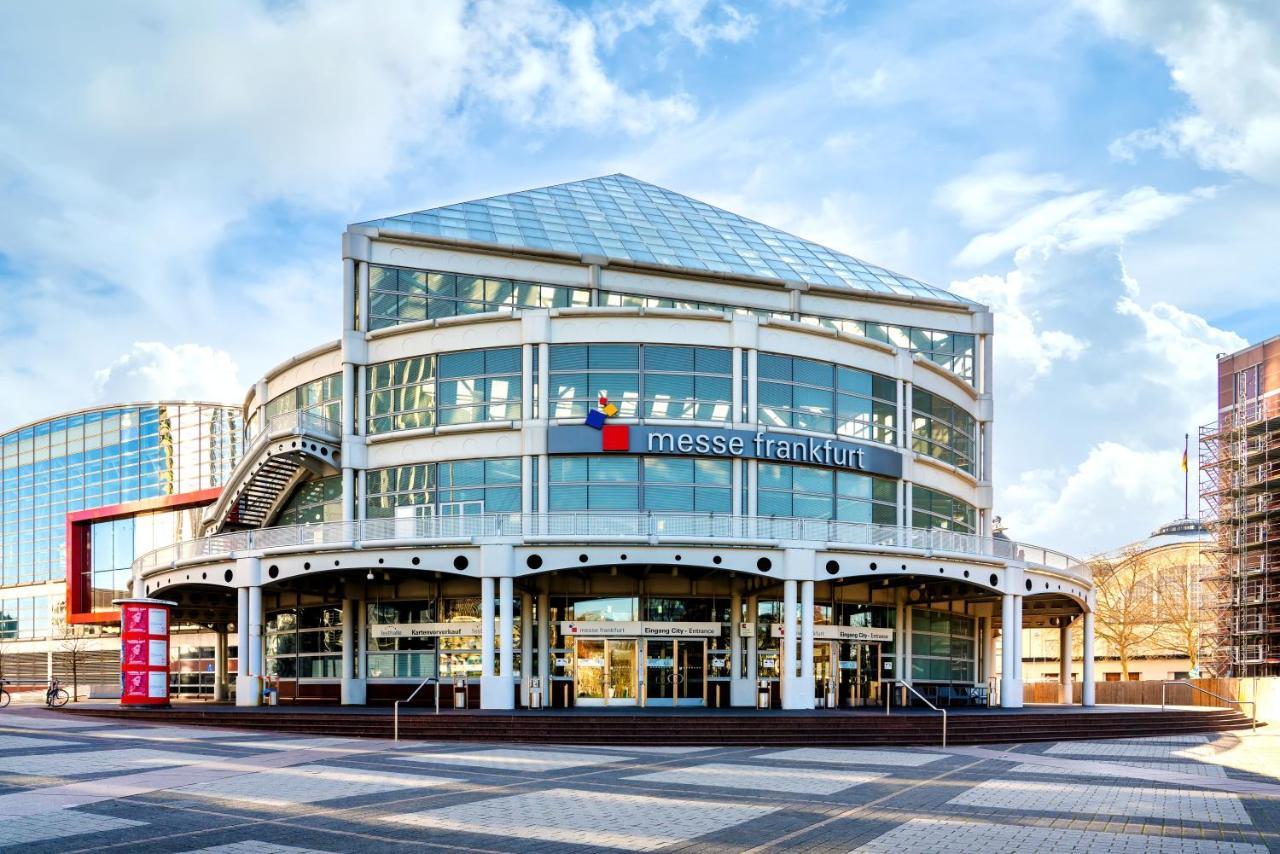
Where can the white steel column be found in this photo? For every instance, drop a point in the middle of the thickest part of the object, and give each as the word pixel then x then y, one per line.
pixel 497 686
pixel 360 685
pixel 486 628
pixel 348 648
pixel 1007 632
pixel 900 638
pixel 806 686
pixel 544 645
pixel 1064 663
pixel 220 664
pixel 256 661
pixel 244 690
pixel 526 646
pixel 1017 642
pixel 735 637
pixel 1086 663
pixel 788 639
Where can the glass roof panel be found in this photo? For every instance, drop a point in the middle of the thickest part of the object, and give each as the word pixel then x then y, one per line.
pixel 623 218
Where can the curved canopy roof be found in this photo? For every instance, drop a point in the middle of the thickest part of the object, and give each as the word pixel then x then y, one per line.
pixel 624 219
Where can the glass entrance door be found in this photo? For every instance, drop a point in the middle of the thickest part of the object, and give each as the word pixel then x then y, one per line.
pixel 863 669
pixel 826 661
pixel 604 672
pixel 675 672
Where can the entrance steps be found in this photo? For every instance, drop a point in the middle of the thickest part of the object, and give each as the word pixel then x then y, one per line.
pixel 703 727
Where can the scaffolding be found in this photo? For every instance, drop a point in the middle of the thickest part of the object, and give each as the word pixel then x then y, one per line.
pixel 1240 505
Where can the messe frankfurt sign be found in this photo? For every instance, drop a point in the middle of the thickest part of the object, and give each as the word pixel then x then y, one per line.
pixel 714 442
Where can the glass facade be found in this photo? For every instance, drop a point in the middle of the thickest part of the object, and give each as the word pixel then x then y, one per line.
pixel 933 509
pixel 943 430
pixel 24 617
pixel 670 484
pixel 405 296
pixel 649 381
pixel 99 458
pixel 113 544
pixel 321 398
pixel 942 646
pixel 811 492
pixel 450 388
pixel 628 220
pixel 491 486
pixel 304 643
pixel 826 398
pixel 314 501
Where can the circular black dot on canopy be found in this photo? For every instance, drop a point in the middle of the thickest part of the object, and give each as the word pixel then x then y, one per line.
pixel 995 580
pixel 533 561
pixel 717 559
pixel 833 567
pixel 764 564
pixel 228 575
pixel 461 562
pixel 1028 583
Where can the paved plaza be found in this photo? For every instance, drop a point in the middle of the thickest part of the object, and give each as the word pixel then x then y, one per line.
pixel 79 784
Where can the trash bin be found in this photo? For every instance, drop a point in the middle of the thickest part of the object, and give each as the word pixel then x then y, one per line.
pixel 763 700
pixel 459 693
pixel 535 693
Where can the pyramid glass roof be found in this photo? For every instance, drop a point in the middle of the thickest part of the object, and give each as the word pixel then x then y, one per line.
pixel 625 219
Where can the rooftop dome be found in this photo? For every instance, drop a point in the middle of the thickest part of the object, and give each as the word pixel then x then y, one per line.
pixel 623 219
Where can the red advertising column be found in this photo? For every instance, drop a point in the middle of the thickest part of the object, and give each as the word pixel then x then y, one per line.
pixel 144 651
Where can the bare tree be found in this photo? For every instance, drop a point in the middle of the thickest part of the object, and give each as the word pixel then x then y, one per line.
pixel 1185 623
pixel 75 643
pixel 1126 619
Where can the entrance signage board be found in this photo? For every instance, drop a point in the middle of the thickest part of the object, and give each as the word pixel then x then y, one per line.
pixel 610 629
pixel 740 444
pixel 865 634
pixel 424 630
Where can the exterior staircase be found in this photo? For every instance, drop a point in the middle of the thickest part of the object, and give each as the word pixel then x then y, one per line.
pixel 703 727
pixel 290 447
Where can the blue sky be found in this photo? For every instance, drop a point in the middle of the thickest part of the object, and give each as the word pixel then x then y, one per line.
pixel 174 179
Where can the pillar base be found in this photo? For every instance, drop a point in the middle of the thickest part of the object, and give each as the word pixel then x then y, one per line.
pixel 798 693
pixel 353 692
pixel 497 692
pixel 248 691
pixel 1011 693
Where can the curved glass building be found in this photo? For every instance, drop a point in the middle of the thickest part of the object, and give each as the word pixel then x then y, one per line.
pixel 82 495
pixel 604 444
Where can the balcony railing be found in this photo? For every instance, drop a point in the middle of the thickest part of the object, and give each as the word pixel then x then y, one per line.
pixel 648 527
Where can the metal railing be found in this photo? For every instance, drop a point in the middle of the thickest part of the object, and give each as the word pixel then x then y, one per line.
pixel 299 421
pixel 888 695
pixel 1253 707
pixel 395 715
pixel 635 526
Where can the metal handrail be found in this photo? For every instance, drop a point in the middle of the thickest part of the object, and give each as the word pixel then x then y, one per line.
pixel 637 525
pixel 396 705
pixel 1253 707
pixel 888 695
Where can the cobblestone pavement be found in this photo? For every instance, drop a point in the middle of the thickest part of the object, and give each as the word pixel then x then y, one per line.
pixel 75 784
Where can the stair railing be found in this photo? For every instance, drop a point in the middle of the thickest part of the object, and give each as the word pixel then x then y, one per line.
pixel 396 714
pixel 889 694
pixel 1253 707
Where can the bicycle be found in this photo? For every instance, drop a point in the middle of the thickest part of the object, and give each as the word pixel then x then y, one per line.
pixel 56 696
pixel 4 695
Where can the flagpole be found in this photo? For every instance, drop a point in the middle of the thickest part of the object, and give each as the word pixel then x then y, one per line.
pixel 1186 476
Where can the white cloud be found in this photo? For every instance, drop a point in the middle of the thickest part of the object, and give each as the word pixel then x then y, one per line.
pixel 151 155
pixel 1081 221
pixel 698 21
pixel 155 371
pixel 1097 383
pixel 995 189
pixel 1225 56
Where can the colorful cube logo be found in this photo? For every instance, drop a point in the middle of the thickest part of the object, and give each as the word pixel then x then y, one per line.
pixel 616 437
pixel 595 418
